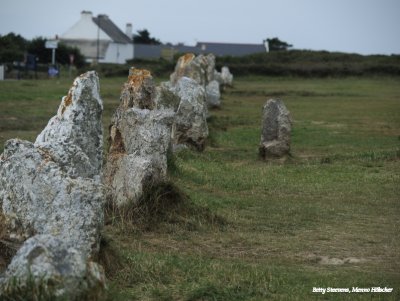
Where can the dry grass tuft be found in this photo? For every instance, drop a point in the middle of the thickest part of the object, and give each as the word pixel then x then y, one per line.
pixel 7 247
pixel 162 207
pixel 109 257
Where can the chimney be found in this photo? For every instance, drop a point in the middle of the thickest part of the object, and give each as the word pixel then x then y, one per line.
pixel 128 30
pixel 86 14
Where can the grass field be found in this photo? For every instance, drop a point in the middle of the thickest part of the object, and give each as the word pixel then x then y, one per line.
pixel 326 217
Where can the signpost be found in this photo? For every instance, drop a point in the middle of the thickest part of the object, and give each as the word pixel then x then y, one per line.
pixel 52 44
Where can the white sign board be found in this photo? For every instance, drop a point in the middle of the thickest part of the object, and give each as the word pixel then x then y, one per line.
pixel 51 44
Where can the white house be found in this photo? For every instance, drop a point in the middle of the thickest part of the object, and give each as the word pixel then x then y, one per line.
pixel 99 39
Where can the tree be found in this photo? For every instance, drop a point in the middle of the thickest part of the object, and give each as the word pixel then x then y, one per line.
pixel 275 44
pixel 12 48
pixel 143 37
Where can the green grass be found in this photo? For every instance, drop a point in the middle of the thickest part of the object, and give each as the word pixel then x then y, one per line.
pixel 336 196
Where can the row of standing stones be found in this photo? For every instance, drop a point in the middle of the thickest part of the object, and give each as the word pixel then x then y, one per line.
pixel 53 192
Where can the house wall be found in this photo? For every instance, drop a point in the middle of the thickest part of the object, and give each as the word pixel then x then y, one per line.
pixel 118 53
pixel 144 51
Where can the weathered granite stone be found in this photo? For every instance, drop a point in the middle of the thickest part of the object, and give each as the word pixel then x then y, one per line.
pixel 202 70
pixel 209 65
pixel 276 129
pixel 39 197
pixel 74 137
pixel 138 91
pixel 56 266
pixel 53 187
pixel 190 125
pixel 190 66
pixel 166 98
pixel 139 141
pixel 48 186
pixel 226 76
pixel 218 77
pixel 213 94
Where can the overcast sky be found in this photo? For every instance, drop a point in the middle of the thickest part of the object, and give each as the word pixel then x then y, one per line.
pixel 361 26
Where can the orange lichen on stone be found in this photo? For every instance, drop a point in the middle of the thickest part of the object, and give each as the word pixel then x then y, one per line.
pixel 137 77
pixel 186 59
pixel 66 102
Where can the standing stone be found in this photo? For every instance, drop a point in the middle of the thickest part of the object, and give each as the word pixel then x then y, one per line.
pixel 218 77
pixel 53 188
pixel 190 126
pixel 209 65
pixel 202 70
pixel 226 76
pixel 189 65
pixel 213 94
pixel 140 136
pixel 276 128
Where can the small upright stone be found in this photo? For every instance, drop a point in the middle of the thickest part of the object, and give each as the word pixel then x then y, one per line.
pixel 213 94
pixel 226 76
pixel 276 129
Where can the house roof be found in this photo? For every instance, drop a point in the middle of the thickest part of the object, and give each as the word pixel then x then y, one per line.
pixel 232 49
pixel 111 29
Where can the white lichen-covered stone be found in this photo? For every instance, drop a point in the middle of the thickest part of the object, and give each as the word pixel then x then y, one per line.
pixel 139 141
pixel 39 197
pixel 276 129
pixel 53 187
pixel 213 94
pixel 129 175
pixel 190 125
pixel 74 137
pixel 226 76
pixel 54 265
pixel 218 77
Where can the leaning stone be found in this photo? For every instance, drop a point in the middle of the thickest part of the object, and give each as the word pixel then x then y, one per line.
pixel 190 125
pixel 213 94
pixel 53 267
pixel 276 129
pixel 46 187
pixel 139 140
pixel 52 187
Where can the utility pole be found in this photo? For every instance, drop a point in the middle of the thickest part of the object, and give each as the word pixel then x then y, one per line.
pixel 98 39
